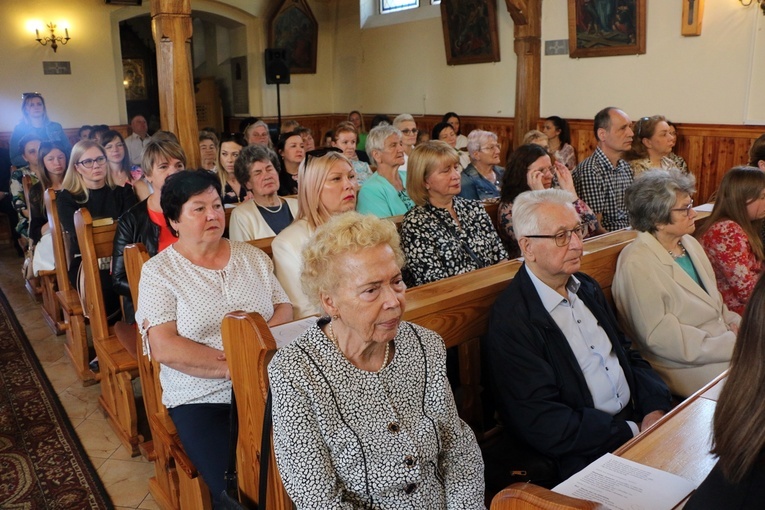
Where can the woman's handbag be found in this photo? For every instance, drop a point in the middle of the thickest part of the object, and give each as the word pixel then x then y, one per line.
pixel 229 498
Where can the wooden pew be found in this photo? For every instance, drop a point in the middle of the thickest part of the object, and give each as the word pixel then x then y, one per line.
pixel 527 496
pixel 46 286
pixel 176 484
pixel 76 346
pixel 249 346
pixel 117 367
pixel 264 244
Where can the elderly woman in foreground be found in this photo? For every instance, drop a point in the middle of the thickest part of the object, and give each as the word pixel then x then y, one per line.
pixel 444 235
pixel 362 409
pixel 738 479
pixel 185 291
pixel 665 288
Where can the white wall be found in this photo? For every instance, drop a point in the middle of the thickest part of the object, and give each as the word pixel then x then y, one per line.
pixel 689 79
pixel 87 95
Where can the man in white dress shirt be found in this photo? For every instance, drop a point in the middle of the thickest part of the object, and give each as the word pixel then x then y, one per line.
pixel 138 139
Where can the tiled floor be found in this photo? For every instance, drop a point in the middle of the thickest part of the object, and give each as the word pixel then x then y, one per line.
pixel 125 478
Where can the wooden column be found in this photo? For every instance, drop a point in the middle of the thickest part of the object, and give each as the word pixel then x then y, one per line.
pixel 527 17
pixel 171 27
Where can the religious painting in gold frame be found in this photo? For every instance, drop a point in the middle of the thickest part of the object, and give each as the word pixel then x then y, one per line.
pixel 603 28
pixel 470 31
pixel 294 28
pixel 134 79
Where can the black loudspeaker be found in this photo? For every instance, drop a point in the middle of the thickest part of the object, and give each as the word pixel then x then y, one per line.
pixel 277 67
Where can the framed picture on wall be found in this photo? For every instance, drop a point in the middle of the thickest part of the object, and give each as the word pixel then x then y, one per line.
pixel 470 31
pixel 603 28
pixel 294 28
pixel 134 79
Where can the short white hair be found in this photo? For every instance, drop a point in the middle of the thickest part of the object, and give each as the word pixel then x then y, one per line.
pixel 476 138
pixel 525 207
pixel 404 117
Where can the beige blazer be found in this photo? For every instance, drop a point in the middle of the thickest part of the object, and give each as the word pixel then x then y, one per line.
pixel 247 222
pixel 287 250
pixel 681 329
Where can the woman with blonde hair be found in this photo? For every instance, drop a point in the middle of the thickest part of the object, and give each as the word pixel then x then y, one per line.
pixel 357 119
pixel 730 235
pixel 88 183
pixel 327 187
pixel 444 235
pixel 363 413
pixel 35 121
pixel 651 145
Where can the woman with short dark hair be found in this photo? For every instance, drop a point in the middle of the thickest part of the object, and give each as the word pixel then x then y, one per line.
pixel 185 291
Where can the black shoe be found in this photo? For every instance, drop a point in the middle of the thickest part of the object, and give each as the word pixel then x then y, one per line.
pixel 94 365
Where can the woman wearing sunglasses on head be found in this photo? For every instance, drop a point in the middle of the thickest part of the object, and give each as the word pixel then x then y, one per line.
pixel 327 187
pixel 35 122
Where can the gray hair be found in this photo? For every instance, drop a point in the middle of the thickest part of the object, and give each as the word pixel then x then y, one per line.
pixel 404 117
pixel 476 138
pixel 253 154
pixel 377 136
pixel 525 206
pixel 650 199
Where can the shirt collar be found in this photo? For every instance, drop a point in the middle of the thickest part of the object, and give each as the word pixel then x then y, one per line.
pixel 551 299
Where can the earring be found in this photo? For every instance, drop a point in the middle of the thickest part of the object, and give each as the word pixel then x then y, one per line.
pixel 335 317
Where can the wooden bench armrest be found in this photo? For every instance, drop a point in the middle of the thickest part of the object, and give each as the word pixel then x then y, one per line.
pixel 182 461
pixel 117 356
pixel 70 301
pixel 527 496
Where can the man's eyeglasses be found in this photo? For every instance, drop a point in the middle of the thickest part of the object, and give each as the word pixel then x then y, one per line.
pixel 412 131
pixel 563 238
pixel 492 148
pixel 687 209
pixel 89 163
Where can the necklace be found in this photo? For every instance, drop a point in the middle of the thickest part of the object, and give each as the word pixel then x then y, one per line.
pixel 334 341
pixel 682 250
pixel 268 207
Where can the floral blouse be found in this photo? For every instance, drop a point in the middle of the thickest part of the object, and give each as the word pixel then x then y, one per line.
pixel 19 201
pixel 436 247
pixel 566 155
pixel 736 267
pixel 641 165
pixel 507 234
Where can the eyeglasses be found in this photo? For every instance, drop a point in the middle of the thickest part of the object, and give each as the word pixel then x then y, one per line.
pixel 563 238
pixel 492 148
pixel 687 209
pixel 89 163
pixel 639 126
pixel 412 131
pixel 318 153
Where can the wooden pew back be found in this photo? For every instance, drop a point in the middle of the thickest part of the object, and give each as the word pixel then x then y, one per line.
pixel 117 366
pixel 249 346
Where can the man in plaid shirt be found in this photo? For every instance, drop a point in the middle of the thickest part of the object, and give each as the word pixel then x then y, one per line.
pixel 601 179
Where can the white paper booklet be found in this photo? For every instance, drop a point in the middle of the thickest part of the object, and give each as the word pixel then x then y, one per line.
pixel 623 484
pixel 285 334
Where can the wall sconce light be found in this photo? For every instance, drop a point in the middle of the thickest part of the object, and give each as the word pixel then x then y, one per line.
pixel 747 3
pixel 53 39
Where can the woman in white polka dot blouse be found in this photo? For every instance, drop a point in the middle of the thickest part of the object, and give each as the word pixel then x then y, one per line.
pixel 185 291
pixel 363 414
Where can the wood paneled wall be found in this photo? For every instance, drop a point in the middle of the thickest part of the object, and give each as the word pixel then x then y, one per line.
pixel 709 149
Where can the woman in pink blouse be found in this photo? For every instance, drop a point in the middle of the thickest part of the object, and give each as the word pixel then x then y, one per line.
pixel 730 235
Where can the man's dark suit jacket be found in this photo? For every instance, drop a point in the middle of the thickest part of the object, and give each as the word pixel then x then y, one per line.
pixel 540 390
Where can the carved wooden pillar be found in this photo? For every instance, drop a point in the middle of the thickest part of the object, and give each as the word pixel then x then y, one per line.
pixel 171 27
pixel 527 17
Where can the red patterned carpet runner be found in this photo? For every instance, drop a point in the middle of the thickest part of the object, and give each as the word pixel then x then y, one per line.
pixel 42 463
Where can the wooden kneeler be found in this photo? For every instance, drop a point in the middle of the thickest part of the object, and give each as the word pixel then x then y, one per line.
pixel 176 484
pixel 117 367
pixel 76 345
pixel 249 346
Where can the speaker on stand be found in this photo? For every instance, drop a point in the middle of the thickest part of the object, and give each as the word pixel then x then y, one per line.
pixel 277 72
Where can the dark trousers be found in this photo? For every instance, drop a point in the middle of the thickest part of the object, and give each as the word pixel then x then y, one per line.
pixel 204 433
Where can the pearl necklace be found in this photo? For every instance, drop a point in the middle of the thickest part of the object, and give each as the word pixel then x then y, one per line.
pixel 682 249
pixel 267 207
pixel 334 341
